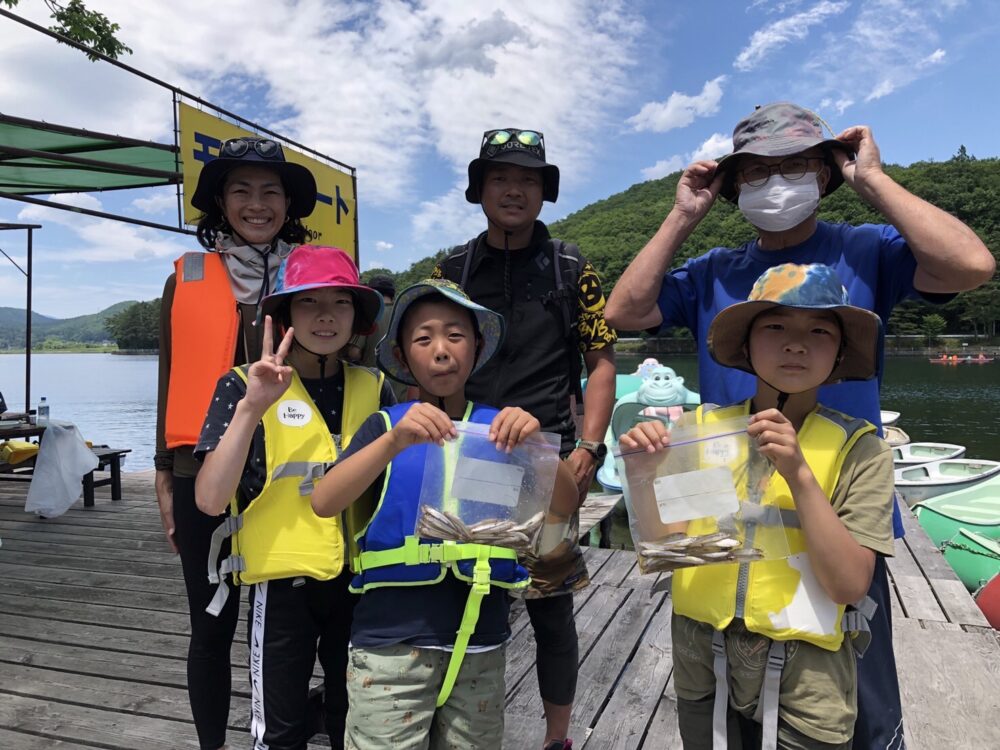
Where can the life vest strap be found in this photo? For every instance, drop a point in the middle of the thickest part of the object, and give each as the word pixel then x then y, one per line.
pixel 226 529
pixel 771 515
pixel 480 588
pixel 414 553
pixel 720 666
pixel 855 623
pixel 310 471
pixel 767 703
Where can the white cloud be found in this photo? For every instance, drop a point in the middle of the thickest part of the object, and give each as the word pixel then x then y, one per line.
pixel 890 61
pixel 449 216
pixel 716 145
pixel 381 246
pixel 157 204
pixel 840 105
pixel 935 57
pixel 713 147
pixel 789 29
pixel 664 167
pixel 679 110
pixel 379 85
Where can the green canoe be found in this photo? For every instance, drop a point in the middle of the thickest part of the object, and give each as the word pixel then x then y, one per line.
pixel 975 509
pixel 974 557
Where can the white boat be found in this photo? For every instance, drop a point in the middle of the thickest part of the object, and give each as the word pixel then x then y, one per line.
pixel 924 481
pixel 921 453
pixel 895 436
pixel 889 417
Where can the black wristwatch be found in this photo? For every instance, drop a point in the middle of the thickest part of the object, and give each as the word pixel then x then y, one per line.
pixel 595 449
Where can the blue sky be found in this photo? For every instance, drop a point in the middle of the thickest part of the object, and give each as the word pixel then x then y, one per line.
pixel 624 92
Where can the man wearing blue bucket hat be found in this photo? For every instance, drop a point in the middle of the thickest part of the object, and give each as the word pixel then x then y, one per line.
pixel 780 167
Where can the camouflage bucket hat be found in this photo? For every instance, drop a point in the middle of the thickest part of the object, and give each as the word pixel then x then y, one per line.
pixel 809 287
pixel 490 324
pixel 780 129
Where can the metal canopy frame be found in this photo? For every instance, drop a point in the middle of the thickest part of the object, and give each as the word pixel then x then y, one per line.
pixel 29 228
pixel 86 155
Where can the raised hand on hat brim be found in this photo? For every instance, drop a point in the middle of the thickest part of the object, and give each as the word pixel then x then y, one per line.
pixel 269 377
pixel 867 163
pixel 697 189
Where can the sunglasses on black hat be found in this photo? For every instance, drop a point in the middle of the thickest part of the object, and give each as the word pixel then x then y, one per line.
pixel 495 141
pixel 237 147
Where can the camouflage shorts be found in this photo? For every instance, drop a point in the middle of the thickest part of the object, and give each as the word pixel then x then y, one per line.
pixel 393 691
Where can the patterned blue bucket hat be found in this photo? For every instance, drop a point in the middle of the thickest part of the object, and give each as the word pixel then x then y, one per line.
pixel 811 287
pixel 491 326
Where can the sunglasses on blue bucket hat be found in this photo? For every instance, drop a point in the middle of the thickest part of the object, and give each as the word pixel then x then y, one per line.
pixel 524 148
pixel 809 287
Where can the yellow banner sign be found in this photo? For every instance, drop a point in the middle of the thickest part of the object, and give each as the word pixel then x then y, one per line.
pixel 331 222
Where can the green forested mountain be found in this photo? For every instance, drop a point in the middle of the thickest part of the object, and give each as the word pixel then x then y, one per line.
pixel 84 329
pixel 610 232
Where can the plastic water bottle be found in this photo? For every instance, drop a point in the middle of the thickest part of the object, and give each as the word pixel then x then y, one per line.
pixel 42 416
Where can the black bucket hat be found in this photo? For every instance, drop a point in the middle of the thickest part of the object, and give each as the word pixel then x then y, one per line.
pixel 780 129
pixel 525 148
pixel 300 185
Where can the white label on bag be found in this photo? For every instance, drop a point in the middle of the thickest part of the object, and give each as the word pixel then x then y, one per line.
pixel 487 481
pixel 696 494
pixel 294 413
pixel 720 451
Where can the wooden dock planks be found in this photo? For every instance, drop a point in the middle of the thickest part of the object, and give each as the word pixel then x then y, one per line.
pixel 93 623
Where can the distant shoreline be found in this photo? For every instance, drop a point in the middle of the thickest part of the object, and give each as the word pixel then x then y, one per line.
pixel 83 350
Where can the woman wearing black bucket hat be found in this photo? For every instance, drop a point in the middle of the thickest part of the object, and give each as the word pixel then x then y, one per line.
pixel 253 202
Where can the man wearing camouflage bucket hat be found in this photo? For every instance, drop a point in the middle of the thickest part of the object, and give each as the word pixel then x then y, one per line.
pixel 780 167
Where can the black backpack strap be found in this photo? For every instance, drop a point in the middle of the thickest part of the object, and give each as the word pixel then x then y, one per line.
pixel 470 251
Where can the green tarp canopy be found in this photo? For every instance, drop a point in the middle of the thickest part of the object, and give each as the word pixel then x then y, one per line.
pixel 40 158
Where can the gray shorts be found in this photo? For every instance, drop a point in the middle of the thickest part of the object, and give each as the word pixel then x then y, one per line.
pixel 393 690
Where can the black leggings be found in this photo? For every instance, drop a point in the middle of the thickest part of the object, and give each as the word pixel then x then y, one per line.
pixel 290 622
pixel 558 649
pixel 209 676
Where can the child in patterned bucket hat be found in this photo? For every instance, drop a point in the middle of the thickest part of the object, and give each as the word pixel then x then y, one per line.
pixel 427 648
pixel 766 649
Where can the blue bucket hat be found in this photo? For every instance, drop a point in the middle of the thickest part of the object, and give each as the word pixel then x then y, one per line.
pixel 809 287
pixel 491 326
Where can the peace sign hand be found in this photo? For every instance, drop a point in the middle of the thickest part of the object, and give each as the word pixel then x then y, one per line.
pixel 269 377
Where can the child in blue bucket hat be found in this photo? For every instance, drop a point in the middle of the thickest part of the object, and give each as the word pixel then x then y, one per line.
pixel 764 652
pixel 427 659
pixel 272 428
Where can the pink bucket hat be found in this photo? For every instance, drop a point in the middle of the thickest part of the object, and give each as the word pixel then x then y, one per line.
pixel 317 267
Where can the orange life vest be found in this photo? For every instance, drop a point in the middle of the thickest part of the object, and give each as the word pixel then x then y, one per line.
pixel 204 324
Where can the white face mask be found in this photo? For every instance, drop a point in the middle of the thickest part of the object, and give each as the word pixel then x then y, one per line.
pixel 779 204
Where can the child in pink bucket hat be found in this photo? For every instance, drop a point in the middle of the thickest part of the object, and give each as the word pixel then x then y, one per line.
pixel 272 428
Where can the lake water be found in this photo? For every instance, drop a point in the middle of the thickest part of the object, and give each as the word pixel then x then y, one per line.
pixel 112 398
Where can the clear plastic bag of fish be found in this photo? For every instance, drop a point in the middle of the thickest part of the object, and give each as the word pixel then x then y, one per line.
pixel 472 492
pixel 703 500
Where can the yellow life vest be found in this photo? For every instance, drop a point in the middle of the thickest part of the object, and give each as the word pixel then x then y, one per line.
pixel 278 535
pixel 781 599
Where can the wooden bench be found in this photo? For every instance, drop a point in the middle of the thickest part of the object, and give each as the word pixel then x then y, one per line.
pixel 110 459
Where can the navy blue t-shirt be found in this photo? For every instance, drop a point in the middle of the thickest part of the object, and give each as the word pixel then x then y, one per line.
pixel 874 264
pixel 420 615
